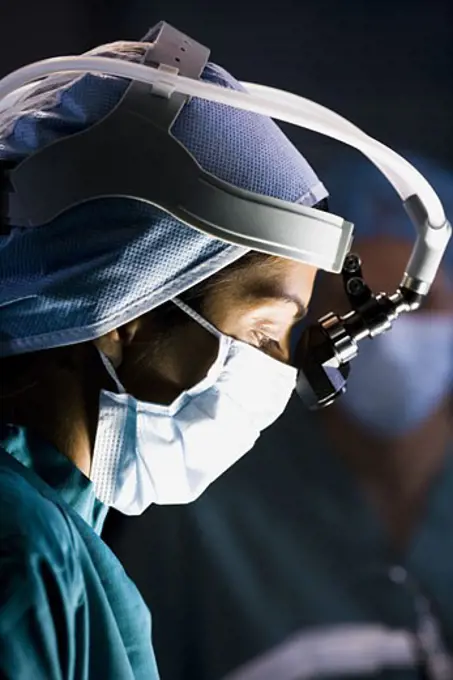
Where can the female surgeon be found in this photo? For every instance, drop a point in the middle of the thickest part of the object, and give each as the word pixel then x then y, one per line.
pixel 140 359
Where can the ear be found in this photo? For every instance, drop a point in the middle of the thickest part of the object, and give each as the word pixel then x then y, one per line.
pixel 113 343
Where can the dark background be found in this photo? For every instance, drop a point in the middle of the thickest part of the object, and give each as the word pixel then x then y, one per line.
pixel 387 65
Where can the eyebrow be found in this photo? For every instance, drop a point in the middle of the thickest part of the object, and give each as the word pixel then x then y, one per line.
pixel 301 308
pixel 272 290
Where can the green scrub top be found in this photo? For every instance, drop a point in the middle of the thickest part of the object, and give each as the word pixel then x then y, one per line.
pixel 68 611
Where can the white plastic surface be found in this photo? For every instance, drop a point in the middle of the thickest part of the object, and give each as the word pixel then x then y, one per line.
pixel 260 99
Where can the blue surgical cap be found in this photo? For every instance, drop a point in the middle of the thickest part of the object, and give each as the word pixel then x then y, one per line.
pixel 361 194
pixel 106 262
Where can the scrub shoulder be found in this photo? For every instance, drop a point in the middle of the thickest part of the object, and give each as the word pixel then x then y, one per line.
pixel 68 611
pixel 40 581
pixel 31 523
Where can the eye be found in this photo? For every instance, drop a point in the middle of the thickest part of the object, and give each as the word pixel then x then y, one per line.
pixel 266 343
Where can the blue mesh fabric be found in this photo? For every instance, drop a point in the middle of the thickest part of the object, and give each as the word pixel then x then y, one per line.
pixel 104 263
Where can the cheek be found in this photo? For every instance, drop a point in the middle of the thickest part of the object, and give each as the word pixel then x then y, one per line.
pixel 161 371
pixel 140 376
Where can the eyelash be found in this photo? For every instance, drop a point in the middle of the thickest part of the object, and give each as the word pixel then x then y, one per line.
pixel 265 342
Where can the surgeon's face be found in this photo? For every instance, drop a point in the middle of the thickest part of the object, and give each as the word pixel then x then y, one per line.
pixel 261 305
pixel 258 304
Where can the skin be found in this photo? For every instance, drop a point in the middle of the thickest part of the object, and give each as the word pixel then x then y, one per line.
pixel 396 473
pixel 157 357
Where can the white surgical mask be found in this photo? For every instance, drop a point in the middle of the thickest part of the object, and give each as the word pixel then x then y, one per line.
pixel 399 378
pixel 148 453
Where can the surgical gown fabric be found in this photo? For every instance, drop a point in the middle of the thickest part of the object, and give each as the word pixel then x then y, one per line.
pixel 68 611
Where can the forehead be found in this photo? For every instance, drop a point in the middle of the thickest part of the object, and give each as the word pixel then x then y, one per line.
pixel 270 281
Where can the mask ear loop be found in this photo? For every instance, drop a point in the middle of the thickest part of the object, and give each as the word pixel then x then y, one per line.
pixel 197 317
pixel 111 371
